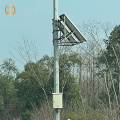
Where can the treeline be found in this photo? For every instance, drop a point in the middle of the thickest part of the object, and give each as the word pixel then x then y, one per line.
pixel 34 86
pixel 89 81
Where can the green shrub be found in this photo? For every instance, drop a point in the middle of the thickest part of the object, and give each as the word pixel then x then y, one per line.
pixel 93 115
pixel 74 116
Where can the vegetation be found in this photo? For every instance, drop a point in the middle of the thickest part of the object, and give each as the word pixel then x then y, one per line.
pixel 89 81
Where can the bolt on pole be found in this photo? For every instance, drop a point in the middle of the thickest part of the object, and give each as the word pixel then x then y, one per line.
pixel 56 55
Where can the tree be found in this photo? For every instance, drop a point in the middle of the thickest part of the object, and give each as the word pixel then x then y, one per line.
pixel 8 68
pixel 110 58
pixel 35 83
pixel 113 54
pixel 32 84
pixel 8 98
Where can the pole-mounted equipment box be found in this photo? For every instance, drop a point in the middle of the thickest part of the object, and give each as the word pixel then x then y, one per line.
pixel 57 100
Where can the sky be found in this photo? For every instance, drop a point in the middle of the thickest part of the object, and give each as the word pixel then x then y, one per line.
pixel 33 22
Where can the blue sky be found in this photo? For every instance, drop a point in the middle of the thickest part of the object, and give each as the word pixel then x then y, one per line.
pixel 33 21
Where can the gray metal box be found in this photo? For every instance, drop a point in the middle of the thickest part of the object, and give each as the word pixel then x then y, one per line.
pixel 57 100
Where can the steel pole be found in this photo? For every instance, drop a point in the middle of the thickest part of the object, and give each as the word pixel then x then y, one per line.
pixel 56 55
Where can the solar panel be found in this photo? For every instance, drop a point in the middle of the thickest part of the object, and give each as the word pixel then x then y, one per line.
pixel 72 28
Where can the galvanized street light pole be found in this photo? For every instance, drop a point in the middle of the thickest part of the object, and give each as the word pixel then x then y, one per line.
pixel 73 37
pixel 56 55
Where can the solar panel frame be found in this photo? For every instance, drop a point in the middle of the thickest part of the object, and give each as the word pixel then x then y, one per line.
pixel 72 28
